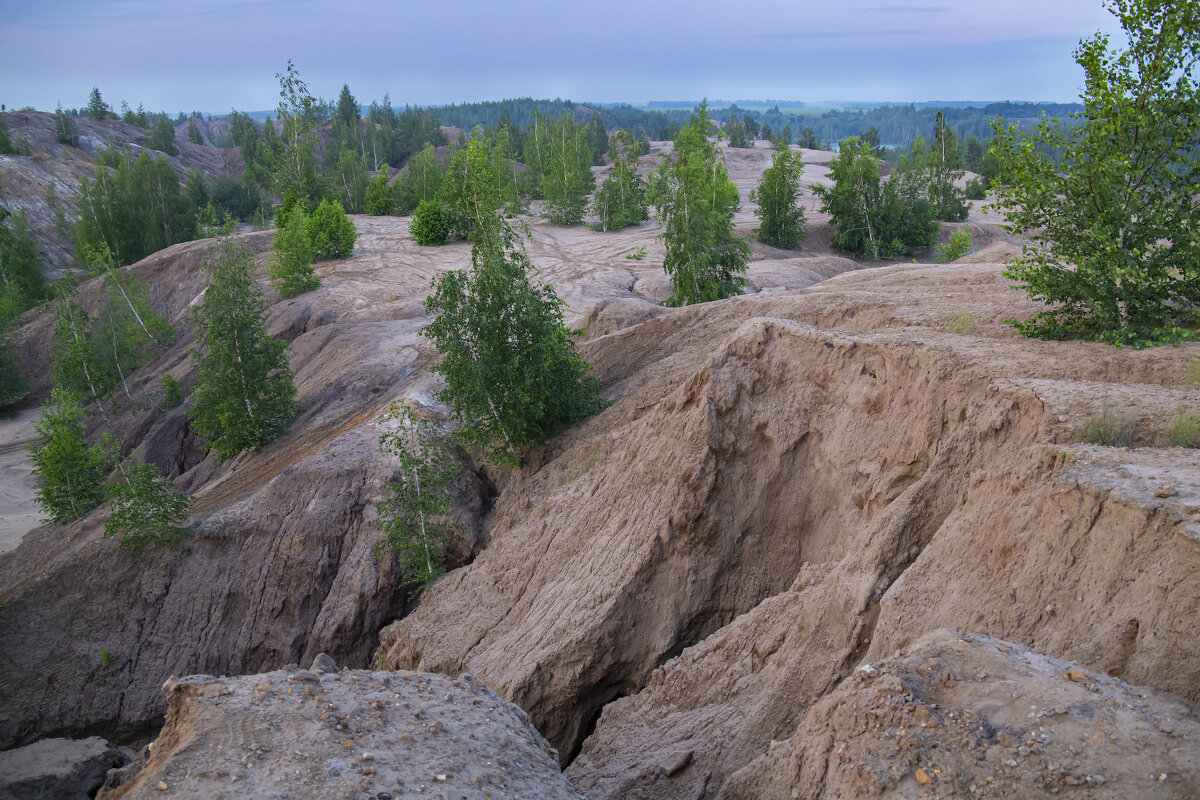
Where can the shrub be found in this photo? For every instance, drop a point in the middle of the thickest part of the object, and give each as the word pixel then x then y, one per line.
pixel 1108 429
pixel 330 231
pixel 290 268
pixel 70 472
pixel 429 226
pixel 172 394
pixel 146 509
pixel 379 199
pixel 958 246
pixel 1185 430
pixel 977 188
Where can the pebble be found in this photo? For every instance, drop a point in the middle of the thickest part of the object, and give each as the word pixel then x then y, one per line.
pixel 922 776
pixel 1164 492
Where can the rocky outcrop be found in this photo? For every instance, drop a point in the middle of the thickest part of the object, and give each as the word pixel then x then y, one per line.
pixel 971 716
pixel 58 769
pixel 306 733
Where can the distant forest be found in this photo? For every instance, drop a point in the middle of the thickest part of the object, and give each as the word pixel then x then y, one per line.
pixel 897 125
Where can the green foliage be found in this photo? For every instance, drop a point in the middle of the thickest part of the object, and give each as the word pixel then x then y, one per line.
pixel 70 472
pixel 420 492
pixel 107 659
pixel 597 139
pixel 290 268
pixel 350 179
pixel 146 509
pixel 872 218
pixel 778 195
pixel 958 246
pixel 239 199
pixel 561 158
pixel 136 210
pixel 977 188
pixel 162 138
pixel 621 199
pixel 735 132
pixel 330 231
pixel 513 375
pixel 420 180
pixel 65 131
pixel 1108 429
pixel 378 199
pixel 696 202
pixel 1115 223
pixel 193 132
pixel 244 395
pixel 22 281
pixel 428 226
pixel 638 253
pixel 294 180
pixel 1185 430
pixel 935 171
pixel 96 107
pixel 172 393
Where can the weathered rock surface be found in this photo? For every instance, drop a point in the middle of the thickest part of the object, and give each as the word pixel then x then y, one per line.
pixel 971 716
pixel 758 463
pixel 57 769
pixel 309 734
pixel 24 180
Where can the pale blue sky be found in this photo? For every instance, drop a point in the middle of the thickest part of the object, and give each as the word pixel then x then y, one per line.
pixel 216 54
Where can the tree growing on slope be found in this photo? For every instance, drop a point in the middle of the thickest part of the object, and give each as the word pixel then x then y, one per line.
pixel 1118 258
pixel 513 374
pixel 70 472
pixel 147 509
pixel 696 201
pixel 412 517
pixel 244 396
pixel 777 195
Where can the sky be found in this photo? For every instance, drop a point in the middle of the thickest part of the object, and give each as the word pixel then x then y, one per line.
pixel 214 55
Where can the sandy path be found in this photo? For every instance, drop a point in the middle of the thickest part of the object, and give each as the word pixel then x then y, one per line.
pixel 18 512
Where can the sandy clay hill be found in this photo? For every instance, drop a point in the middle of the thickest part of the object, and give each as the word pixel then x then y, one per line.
pixel 833 538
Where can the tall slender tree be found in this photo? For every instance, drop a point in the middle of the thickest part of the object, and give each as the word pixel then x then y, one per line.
pixel 244 396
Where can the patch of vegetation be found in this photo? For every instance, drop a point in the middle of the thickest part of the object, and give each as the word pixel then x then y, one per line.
pixel 146 509
pixel 172 394
pixel 1185 430
pixel 1109 429
pixel 428 226
pixel 1193 372
pixel 977 188
pixel 958 246
pixel 959 323
pixel 639 253
pixel 107 659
